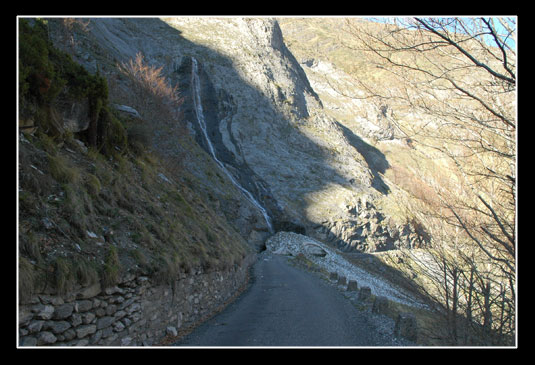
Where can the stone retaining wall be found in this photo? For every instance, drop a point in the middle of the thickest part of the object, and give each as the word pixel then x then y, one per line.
pixel 135 312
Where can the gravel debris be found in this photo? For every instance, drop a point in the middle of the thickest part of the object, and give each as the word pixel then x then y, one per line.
pixel 292 244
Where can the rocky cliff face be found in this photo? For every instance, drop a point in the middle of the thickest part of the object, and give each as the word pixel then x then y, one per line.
pixel 276 124
pixel 267 123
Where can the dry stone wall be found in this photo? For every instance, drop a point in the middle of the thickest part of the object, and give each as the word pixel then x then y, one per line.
pixel 135 312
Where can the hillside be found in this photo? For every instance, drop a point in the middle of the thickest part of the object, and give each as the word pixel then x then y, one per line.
pixel 167 147
pixel 437 99
pixel 88 214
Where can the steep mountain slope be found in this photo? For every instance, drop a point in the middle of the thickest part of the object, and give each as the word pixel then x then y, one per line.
pixel 262 113
pixel 267 125
pixel 433 99
pixel 321 174
pixel 98 213
pixel 299 156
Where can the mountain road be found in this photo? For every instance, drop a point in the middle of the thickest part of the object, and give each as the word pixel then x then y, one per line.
pixel 287 306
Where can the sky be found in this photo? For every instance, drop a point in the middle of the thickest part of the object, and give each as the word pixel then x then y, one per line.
pixel 510 39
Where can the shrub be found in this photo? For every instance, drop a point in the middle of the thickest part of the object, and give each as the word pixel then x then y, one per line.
pixel 93 185
pixel 85 271
pixel 112 268
pixel 152 94
pixel 75 205
pixel 151 84
pixel 45 72
pixel 29 245
pixel 61 170
pixel 38 79
pixel 48 144
pixel 138 137
pixel 26 279
pixel 111 135
pixel 64 275
pixel 167 268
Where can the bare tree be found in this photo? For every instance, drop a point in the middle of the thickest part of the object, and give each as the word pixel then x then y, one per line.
pixel 453 84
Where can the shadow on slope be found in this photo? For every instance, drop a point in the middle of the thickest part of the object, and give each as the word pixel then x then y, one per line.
pixel 375 159
pixel 123 38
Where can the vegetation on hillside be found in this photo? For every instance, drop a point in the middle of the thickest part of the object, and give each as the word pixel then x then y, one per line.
pixel 97 203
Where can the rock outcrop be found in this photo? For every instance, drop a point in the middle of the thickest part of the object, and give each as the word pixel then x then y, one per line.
pixel 273 120
pixel 365 229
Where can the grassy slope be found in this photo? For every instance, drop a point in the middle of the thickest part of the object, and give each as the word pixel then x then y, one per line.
pixel 90 215
pixel 151 217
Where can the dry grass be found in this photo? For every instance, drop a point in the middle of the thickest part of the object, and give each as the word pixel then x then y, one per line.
pixel 141 222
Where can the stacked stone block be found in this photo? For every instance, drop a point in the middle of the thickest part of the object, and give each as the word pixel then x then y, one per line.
pixel 135 312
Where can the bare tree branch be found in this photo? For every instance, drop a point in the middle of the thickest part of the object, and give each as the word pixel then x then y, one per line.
pixel 466 53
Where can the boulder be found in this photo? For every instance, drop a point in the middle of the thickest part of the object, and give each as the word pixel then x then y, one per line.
pixel 28 341
pixel 104 322
pixel 126 109
pixel 257 239
pixel 46 338
pixel 58 327
pixel 35 326
pixel 381 305
pixel 352 285
pixel 172 331
pixel 90 291
pixel 43 311
pixel 73 115
pixel 333 276
pixel 85 330
pixel 63 311
pixel 406 326
pixel 83 305
pixel 365 293
pixel 283 250
pixel 126 341
pixel 314 250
